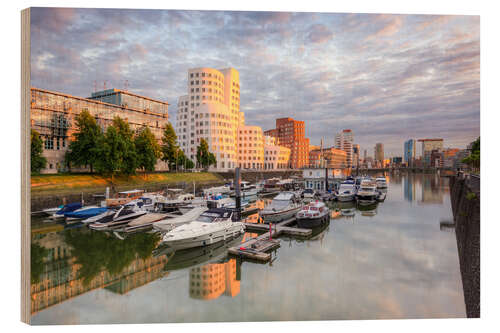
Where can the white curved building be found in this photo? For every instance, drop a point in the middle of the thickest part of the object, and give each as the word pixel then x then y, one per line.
pixel 250 147
pixel 211 110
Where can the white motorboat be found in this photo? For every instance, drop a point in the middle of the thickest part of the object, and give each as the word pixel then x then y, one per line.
pixel 52 211
pixel 210 227
pixel 225 189
pixel 367 193
pixel 246 190
pixel 346 191
pixel 169 224
pixel 174 199
pixel 122 216
pixel 381 195
pixel 284 206
pixel 308 193
pixel 381 182
pixel 313 215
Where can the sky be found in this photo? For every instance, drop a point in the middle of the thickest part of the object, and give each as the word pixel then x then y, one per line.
pixel 387 77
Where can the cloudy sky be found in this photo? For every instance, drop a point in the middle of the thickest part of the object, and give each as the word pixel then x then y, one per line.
pixel 386 77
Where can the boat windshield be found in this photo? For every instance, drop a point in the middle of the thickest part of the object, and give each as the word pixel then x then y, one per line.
pixel 209 217
pixel 278 204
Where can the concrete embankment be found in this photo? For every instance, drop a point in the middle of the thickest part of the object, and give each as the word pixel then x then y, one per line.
pixel 465 202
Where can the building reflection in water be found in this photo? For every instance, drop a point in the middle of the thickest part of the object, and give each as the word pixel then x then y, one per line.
pixel 60 279
pixel 213 280
pixel 409 188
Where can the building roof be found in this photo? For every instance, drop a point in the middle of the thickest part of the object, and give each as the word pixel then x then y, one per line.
pixel 114 91
pixel 97 101
pixel 423 140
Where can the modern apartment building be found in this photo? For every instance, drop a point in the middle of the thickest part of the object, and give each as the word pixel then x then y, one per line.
pixel 211 110
pixel 344 141
pixel 275 156
pixel 53 116
pixel 410 152
pixel 290 133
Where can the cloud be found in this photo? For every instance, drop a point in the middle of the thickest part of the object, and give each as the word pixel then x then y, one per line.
pixel 380 75
pixel 319 33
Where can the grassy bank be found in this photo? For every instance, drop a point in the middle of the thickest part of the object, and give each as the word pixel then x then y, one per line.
pixel 70 183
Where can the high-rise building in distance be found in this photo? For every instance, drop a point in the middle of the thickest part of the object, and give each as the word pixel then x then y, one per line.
pixel 410 152
pixel 344 141
pixel 379 153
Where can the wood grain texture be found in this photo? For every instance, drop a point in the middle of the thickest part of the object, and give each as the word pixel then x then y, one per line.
pixel 25 166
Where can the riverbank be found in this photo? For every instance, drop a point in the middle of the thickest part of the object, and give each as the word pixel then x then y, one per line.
pixel 54 190
pixel 465 202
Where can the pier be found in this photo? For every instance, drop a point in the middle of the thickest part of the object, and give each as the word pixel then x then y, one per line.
pixel 258 248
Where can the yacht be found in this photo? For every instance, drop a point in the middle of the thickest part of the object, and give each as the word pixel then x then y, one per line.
pixel 313 215
pixel 168 224
pixel 381 182
pixel 367 193
pixel 174 199
pixel 246 190
pixel 210 227
pixel 84 213
pixel 346 191
pixel 284 206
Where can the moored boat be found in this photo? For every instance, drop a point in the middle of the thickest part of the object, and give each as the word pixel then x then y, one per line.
pixel 313 215
pixel 381 182
pixel 210 227
pixel 169 224
pixel 346 191
pixel 367 193
pixel 284 206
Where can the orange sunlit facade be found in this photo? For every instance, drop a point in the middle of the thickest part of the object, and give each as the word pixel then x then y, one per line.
pixel 290 133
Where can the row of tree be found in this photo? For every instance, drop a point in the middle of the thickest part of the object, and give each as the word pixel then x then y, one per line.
pixel 474 159
pixel 119 149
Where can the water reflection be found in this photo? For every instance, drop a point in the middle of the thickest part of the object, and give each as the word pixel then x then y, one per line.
pixel 387 260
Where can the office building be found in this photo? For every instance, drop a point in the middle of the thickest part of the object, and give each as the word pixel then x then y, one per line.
pixel 410 152
pixel 332 158
pixel 53 115
pixel 379 153
pixel 250 147
pixel 428 145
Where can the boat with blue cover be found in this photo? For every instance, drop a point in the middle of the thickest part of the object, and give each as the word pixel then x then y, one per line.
pixel 85 213
pixel 71 207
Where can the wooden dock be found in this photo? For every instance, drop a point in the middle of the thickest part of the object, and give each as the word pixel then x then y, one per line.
pixel 258 248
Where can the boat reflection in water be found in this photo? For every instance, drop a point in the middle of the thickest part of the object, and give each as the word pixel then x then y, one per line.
pixel 368 210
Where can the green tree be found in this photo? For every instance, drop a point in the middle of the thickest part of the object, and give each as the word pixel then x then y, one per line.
pixel 474 159
pixel 83 150
pixel 111 152
pixel 129 162
pixel 38 162
pixel 169 147
pixel 147 148
pixel 95 252
pixel 204 157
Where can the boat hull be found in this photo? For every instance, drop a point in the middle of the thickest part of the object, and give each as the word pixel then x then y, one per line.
pixel 312 222
pixel 207 239
pixel 345 198
pixel 278 216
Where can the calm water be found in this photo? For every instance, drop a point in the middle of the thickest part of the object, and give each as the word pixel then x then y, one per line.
pixel 386 261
